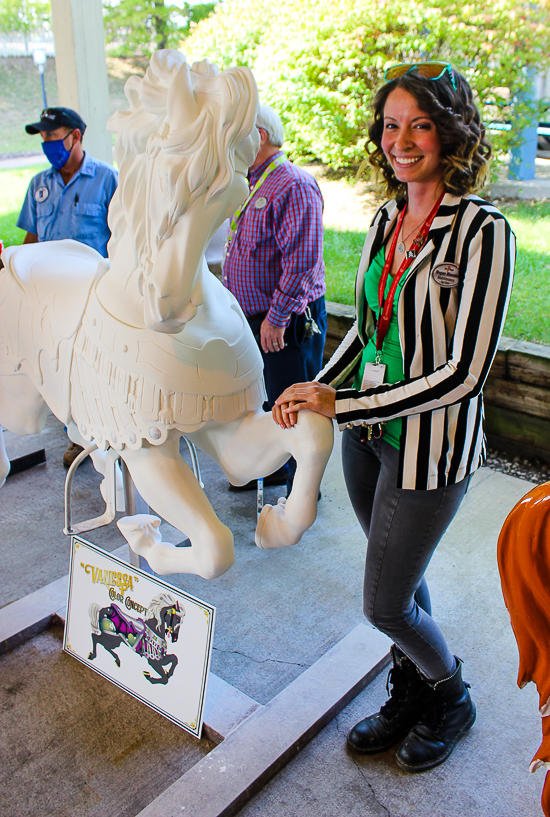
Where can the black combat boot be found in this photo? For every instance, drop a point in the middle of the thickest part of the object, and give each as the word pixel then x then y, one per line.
pixel 404 708
pixel 448 716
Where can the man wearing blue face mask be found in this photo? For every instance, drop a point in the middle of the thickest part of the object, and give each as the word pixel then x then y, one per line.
pixel 70 199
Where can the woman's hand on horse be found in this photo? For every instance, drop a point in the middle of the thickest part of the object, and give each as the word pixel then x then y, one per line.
pixel 304 397
pixel 285 419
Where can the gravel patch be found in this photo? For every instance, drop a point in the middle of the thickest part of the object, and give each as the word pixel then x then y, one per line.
pixel 534 471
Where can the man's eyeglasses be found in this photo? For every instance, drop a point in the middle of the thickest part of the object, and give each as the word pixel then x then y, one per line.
pixel 430 70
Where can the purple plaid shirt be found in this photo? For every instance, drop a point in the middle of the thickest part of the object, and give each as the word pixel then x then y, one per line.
pixel 275 260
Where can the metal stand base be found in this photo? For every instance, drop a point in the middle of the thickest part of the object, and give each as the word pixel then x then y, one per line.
pixel 133 501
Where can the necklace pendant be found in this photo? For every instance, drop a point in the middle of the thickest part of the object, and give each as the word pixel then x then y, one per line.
pixel 400 248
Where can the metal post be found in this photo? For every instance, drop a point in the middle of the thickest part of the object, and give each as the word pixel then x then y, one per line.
pixel 41 69
pixel 39 59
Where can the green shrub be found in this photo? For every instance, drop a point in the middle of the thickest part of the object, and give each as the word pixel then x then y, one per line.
pixel 319 61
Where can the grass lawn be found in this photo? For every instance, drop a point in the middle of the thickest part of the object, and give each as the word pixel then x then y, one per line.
pixel 528 316
pixel 13 184
pixel 529 312
pixel 21 101
pixel 342 251
pixel 21 96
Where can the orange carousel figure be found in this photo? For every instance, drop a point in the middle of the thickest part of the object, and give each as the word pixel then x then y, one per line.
pixel 524 564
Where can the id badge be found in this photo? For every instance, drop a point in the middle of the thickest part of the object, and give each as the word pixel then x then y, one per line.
pixel 373 375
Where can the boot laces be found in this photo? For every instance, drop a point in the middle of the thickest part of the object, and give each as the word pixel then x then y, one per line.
pixel 398 693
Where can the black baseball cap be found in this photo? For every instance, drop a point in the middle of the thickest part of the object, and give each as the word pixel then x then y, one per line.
pixel 54 118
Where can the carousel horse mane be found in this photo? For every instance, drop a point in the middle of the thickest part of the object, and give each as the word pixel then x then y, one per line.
pixel 524 564
pixel 178 141
pixel 159 603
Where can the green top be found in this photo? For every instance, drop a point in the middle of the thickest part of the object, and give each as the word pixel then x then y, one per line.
pixel 391 353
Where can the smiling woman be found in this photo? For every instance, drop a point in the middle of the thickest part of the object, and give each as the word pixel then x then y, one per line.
pixel 410 141
pixel 431 296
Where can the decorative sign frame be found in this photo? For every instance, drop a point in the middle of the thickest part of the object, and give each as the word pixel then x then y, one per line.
pixel 145 636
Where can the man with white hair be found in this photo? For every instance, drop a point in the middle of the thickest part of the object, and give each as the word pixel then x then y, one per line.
pixel 274 263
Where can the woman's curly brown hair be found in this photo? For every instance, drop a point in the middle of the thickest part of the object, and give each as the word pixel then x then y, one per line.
pixel 465 152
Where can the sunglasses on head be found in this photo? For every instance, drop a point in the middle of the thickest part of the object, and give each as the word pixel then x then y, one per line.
pixel 430 70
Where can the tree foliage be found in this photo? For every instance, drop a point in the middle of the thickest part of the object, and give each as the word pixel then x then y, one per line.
pixel 319 61
pixel 141 26
pixel 23 16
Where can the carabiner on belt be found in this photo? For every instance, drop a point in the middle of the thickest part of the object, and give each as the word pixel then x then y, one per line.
pixel 370 432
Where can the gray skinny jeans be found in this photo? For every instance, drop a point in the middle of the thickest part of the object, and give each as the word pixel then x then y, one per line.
pixel 403 528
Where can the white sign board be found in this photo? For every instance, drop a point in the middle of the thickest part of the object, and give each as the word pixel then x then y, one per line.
pixel 147 637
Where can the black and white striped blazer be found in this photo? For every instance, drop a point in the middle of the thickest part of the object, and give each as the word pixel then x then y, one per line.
pixel 449 336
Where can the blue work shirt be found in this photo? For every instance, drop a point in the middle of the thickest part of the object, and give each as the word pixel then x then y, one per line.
pixel 78 210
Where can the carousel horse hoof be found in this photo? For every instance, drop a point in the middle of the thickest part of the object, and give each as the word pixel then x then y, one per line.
pixel 141 532
pixel 273 530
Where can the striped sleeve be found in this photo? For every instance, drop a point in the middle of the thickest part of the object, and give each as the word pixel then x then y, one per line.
pixel 486 266
pixel 343 362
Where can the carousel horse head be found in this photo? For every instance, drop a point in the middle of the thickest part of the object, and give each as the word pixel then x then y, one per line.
pixel 524 564
pixel 184 148
pixel 168 613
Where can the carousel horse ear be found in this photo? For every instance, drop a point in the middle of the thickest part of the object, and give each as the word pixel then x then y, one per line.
pixel 132 89
pixel 205 69
pixel 182 105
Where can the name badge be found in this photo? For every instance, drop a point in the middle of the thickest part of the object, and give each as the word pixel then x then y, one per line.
pixel 41 194
pixel 373 375
pixel 260 203
pixel 446 275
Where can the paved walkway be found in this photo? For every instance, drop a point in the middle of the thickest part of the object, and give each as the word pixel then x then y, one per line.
pixel 73 744
pixel 22 161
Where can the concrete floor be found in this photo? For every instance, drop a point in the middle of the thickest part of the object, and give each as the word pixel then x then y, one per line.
pixel 75 745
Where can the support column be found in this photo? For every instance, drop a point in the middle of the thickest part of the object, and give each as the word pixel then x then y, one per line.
pixel 82 69
pixel 522 158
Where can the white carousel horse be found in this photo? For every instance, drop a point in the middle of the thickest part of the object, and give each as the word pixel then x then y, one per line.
pixel 134 354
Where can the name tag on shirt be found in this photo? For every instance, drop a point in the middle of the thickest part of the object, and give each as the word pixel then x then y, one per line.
pixel 41 194
pixel 373 375
pixel 446 275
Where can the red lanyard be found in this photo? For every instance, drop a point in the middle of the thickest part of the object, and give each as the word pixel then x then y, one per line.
pixel 385 307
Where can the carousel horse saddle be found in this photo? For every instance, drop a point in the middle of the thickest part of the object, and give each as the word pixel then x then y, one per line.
pixel 59 275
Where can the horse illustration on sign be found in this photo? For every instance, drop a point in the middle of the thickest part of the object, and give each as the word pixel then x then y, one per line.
pixel 112 626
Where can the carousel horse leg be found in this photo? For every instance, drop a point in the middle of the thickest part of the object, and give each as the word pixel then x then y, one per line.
pixel 168 485
pixel 311 442
pixel 255 446
pixel 22 411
